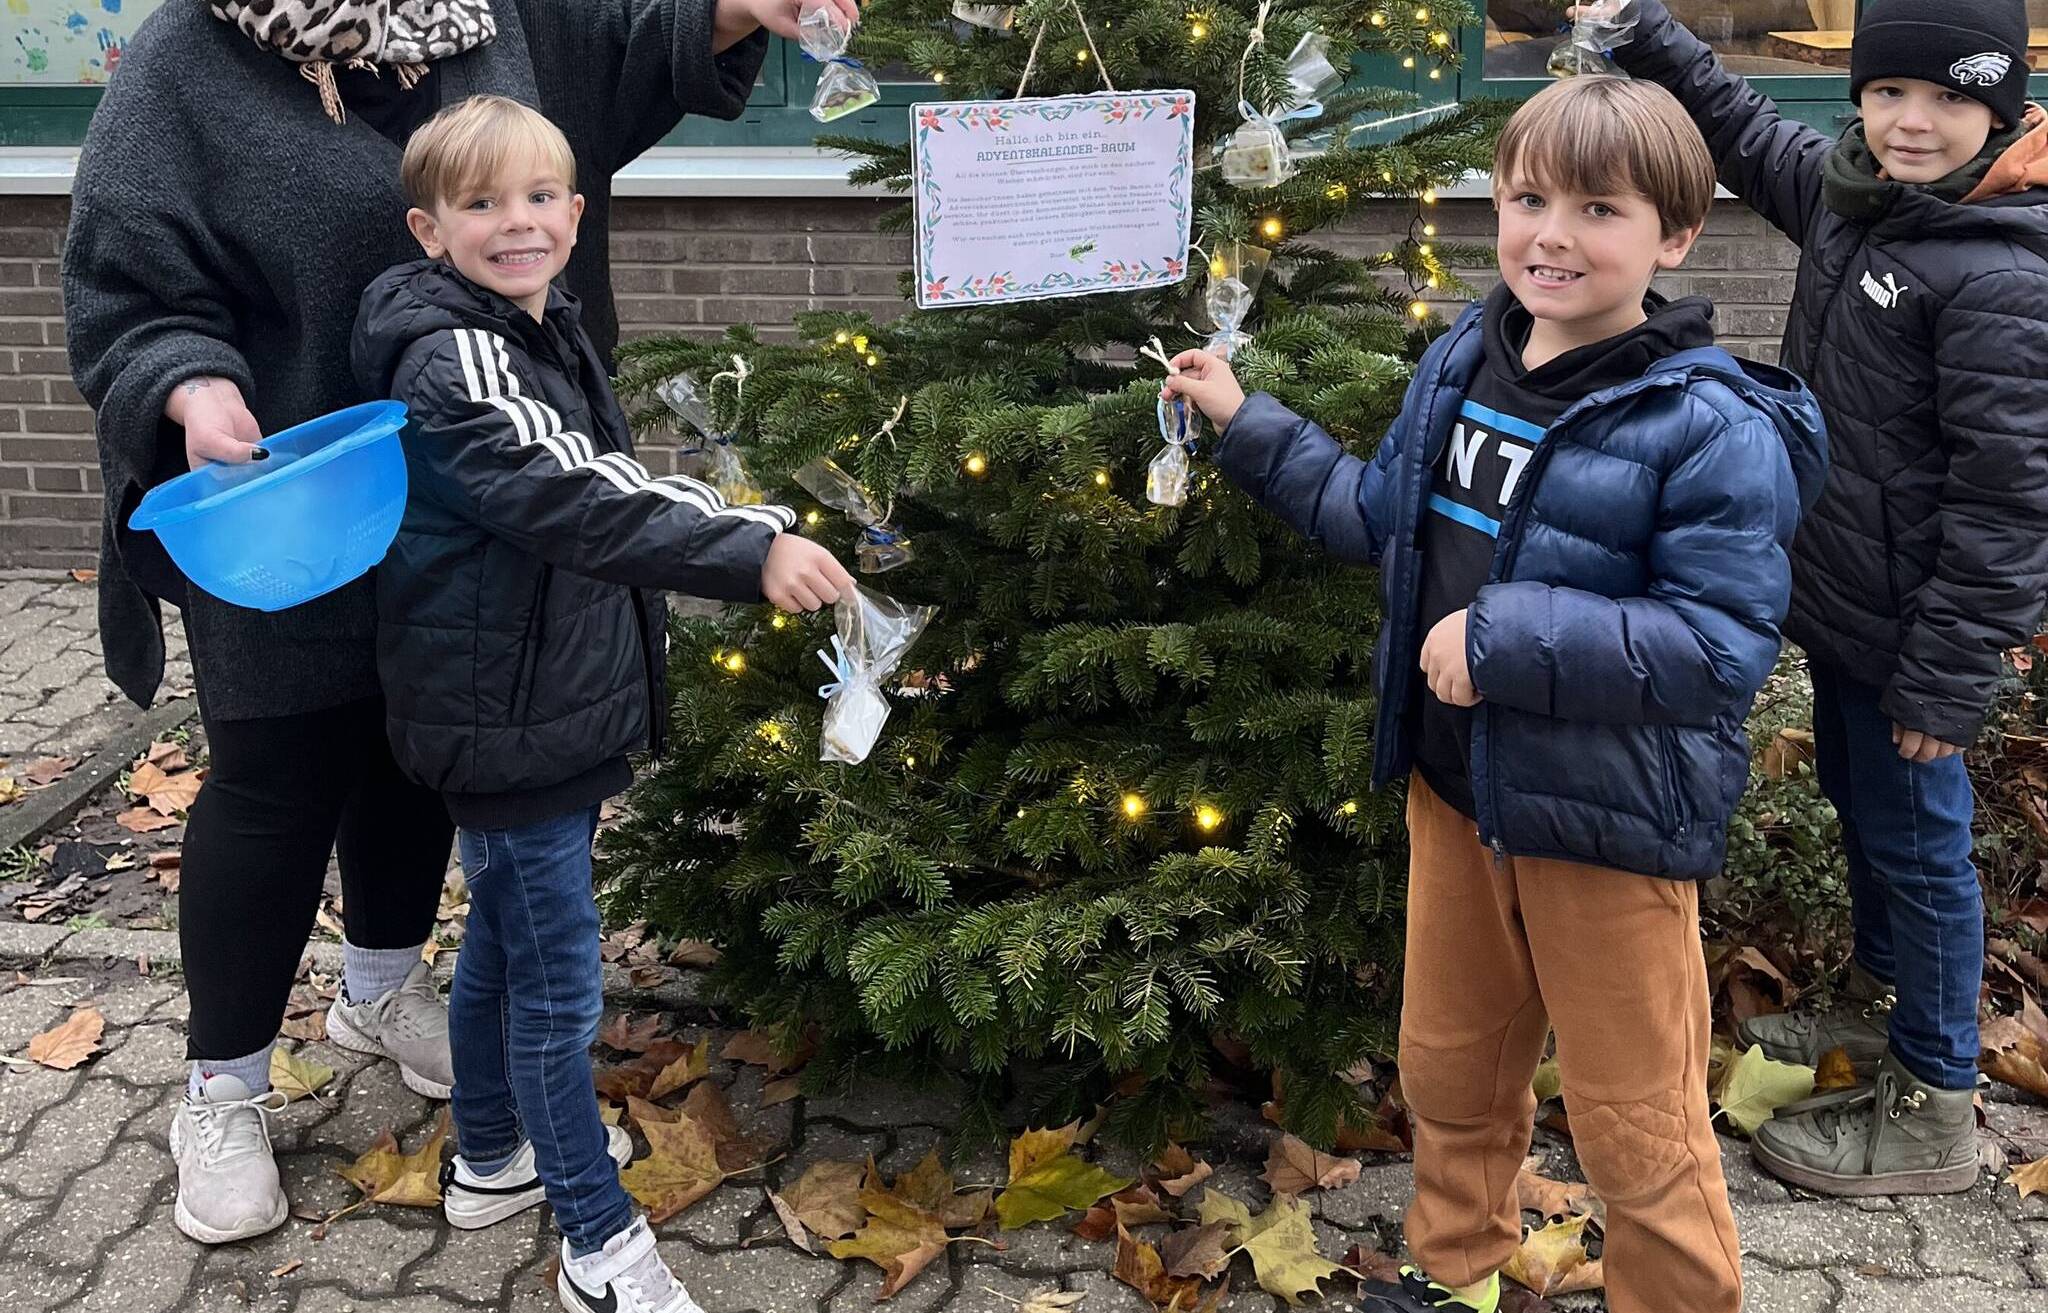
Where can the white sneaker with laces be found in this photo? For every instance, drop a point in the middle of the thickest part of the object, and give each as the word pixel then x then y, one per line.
pixel 227 1179
pixel 409 1025
pixel 472 1202
pixel 628 1276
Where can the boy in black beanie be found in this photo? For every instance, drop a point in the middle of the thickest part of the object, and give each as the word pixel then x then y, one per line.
pixel 1920 320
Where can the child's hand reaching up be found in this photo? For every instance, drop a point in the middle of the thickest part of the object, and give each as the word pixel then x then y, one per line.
pixel 1444 665
pixel 799 575
pixel 1209 382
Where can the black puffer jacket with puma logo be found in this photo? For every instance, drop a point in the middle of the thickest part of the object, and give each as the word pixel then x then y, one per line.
pixel 1925 335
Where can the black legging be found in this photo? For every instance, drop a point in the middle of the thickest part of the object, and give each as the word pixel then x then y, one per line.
pixel 282 794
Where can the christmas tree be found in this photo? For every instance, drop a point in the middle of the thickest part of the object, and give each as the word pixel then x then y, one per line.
pixel 1118 823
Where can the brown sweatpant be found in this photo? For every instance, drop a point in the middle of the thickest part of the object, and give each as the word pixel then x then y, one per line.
pixel 1500 954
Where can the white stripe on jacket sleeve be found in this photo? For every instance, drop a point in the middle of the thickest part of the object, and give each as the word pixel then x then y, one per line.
pixel 487 373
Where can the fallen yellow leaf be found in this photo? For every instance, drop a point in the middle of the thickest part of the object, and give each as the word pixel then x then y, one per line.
pixel 386 1175
pixel 1552 1260
pixel 827 1199
pixel 1835 1072
pixel 2031 1178
pixel 899 1237
pixel 296 1078
pixel 681 1168
pixel 1757 1086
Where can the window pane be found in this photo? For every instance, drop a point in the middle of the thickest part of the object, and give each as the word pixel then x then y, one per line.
pixel 65 43
pixel 1756 38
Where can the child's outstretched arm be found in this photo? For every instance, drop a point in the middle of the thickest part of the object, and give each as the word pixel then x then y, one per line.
pixel 1703 639
pixel 1291 466
pixel 481 444
pixel 1991 357
pixel 1772 162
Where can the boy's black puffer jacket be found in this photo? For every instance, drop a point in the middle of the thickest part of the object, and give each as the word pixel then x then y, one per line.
pixel 520 634
pixel 1925 337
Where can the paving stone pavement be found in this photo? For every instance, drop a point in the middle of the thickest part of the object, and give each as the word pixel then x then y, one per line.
pixel 87 1183
pixel 55 701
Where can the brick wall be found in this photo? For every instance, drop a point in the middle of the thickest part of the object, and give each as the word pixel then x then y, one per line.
pixel 691 265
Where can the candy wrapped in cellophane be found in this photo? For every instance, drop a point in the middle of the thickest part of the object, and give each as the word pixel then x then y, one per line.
pixel 1601 26
pixel 873 634
pixel 1259 154
pixel 844 84
pixel 723 468
pixel 881 547
pixel 1166 479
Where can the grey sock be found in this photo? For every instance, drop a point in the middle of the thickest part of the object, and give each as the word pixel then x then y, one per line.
pixel 253 1071
pixel 368 974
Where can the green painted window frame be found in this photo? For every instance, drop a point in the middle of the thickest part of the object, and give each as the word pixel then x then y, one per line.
pixel 779 115
pixel 1821 100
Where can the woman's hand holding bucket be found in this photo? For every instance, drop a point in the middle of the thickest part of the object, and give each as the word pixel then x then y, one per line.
pixel 217 422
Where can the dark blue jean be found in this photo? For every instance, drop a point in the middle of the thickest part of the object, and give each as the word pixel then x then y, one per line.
pixel 523 1013
pixel 1916 905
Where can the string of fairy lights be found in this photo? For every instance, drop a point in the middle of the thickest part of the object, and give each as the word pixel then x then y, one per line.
pixel 1131 806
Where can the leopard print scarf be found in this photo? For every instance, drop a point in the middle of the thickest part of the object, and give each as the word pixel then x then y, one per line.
pixel 318 34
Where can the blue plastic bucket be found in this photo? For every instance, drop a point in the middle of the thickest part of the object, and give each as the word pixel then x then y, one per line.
pixel 272 534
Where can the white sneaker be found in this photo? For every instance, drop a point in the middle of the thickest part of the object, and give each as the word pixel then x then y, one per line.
pixel 409 1025
pixel 472 1202
pixel 628 1276
pixel 227 1179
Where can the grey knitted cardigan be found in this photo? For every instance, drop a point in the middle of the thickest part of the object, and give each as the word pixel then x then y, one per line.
pixel 222 225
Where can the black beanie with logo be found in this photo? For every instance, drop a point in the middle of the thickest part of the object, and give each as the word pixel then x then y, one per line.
pixel 1975 47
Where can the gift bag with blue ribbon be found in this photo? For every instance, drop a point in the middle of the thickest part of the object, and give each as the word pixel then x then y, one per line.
pixel 874 632
pixel 844 84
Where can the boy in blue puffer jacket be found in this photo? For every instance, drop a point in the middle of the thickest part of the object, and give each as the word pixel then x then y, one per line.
pixel 1582 516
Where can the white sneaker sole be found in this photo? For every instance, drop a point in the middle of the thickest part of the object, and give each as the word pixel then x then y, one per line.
pixel 343 1034
pixel 207 1235
pixel 489 1210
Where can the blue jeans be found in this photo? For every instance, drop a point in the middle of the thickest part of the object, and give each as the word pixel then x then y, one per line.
pixel 1915 902
pixel 523 1013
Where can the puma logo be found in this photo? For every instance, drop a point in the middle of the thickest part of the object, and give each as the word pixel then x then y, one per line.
pixel 1985 70
pixel 1886 293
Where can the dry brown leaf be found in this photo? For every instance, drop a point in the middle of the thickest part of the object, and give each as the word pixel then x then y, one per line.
pixel 1553 1261
pixel 166 757
pixel 1177 1171
pixel 2032 1178
pixel 83 576
pixel 648 977
pixel 780 1091
pixel 1139 1266
pixel 627 1035
pixel 142 820
pixel 898 1237
pixel 1553 1198
pixel 164 792
pixel 1049 1300
pixel 1836 1072
pixel 827 1199
pixel 1787 752
pixel 792 1225
pixel 680 1168
pixel 693 953
pixel 1294 1167
pixel 283 1270
pixel 65 1046
pixel 758 1049
pixel 1202 1251
pixel 2014 1054
pixel 49 770
pixel 692 1066
pixel 386 1175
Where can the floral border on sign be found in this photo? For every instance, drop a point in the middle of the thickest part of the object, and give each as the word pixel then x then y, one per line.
pixel 998 117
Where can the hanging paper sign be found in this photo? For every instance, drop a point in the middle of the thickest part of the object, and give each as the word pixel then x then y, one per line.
pixel 1022 200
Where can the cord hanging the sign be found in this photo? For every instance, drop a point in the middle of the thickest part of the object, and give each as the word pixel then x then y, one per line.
pixel 1038 42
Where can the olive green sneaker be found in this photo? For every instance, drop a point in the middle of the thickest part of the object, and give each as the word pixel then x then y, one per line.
pixel 1860 1022
pixel 1897 1136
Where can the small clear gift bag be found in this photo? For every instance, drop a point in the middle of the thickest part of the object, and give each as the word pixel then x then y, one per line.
pixel 993 18
pixel 1601 26
pixel 723 468
pixel 881 547
pixel 873 633
pixel 1236 270
pixel 844 84
pixel 1258 154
